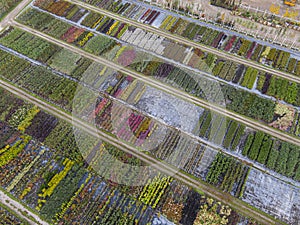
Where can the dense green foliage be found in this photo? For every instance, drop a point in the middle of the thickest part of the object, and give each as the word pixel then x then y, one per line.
pixel 225 172
pixel 249 104
pixel 264 149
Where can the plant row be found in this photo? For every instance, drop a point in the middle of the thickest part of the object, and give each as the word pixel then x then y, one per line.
pixel 281 157
pixel 279 88
pixel 227 174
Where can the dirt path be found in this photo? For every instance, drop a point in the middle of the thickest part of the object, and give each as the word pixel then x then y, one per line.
pixel 6 21
pixel 18 208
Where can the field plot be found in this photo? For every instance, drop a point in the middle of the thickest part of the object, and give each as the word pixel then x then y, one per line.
pixel 273 196
pixel 173 111
pixel 227 174
pixel 193 31
pixel 279 156
pixel 53 88
pixel 279 88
